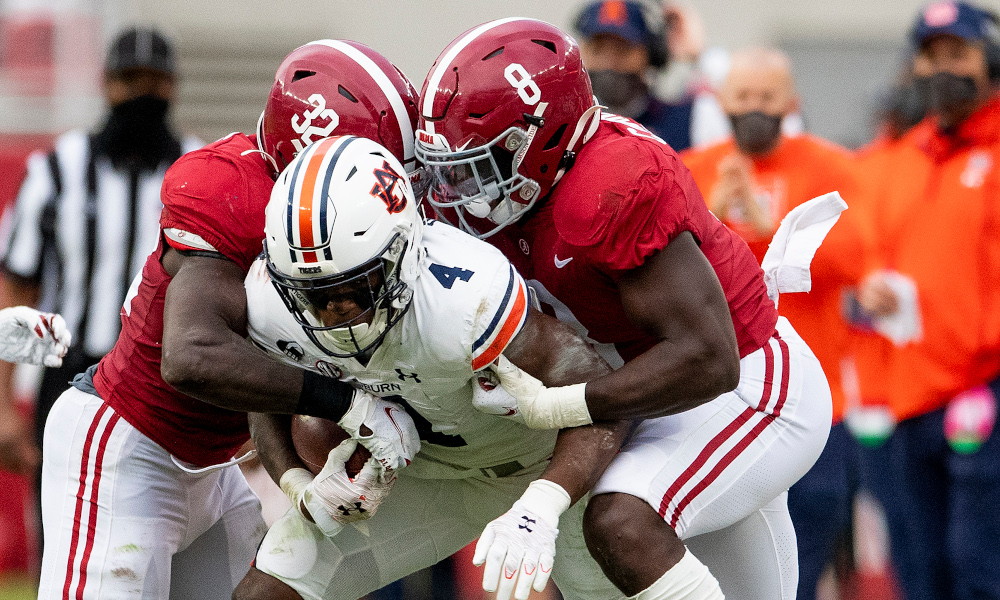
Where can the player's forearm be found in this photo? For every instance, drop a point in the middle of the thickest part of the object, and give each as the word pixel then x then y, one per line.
pixel 553 353
pixel 583 453
pixel 232 374
pixel 272 436
pixel 669 378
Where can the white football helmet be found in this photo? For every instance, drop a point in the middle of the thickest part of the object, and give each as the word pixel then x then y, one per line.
pixel 342 224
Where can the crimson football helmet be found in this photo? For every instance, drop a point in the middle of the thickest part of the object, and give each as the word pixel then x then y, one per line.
pixel 337 87
pixel 503 112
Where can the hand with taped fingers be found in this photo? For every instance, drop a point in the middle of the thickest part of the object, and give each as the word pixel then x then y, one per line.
pixel 519 547
pixel 33 337
pixel 332 499
pixel 537 406
pixel 384 428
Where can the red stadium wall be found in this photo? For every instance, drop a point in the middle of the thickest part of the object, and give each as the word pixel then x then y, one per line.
pixel 17 544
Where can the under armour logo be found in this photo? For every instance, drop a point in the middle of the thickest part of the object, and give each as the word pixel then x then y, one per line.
pixel 402 376
pixel 527 523
pixel 346 510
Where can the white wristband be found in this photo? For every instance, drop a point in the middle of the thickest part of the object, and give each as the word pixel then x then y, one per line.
pixel 558 408
pixel 293 482
pixel 547 499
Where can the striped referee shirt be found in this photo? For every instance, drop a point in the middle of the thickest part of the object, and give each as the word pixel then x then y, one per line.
pixel 84 244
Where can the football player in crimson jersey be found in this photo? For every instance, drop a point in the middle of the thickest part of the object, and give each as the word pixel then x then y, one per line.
pixel 609 229
pixel 140 497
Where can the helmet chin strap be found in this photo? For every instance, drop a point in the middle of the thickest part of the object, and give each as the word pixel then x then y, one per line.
pixel 589 121
pixel 358 336
pixel 260 145
pixel 412 258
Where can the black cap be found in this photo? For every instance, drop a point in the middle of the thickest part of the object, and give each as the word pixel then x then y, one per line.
pixel 141 47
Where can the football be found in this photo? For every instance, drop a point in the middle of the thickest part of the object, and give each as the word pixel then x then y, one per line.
pixel 313 439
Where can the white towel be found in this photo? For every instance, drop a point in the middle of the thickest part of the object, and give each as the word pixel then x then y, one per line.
pixel 786 263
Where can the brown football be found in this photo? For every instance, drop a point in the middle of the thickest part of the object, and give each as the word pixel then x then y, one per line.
pixel 313 439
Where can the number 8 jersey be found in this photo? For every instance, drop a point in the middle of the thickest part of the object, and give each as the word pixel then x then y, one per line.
pixel 468 304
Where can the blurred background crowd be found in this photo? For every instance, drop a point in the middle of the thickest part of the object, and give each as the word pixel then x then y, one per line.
pixel 894 104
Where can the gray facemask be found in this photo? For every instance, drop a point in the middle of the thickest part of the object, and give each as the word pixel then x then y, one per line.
pixel 947 92
pixel 624 94
pixel 756 132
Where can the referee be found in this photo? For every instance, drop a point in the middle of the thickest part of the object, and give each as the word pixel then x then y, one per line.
pixel 86 217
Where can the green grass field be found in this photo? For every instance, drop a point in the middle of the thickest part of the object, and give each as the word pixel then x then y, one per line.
pixel 17 588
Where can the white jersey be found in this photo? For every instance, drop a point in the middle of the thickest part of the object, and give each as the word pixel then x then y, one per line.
pixel 468 303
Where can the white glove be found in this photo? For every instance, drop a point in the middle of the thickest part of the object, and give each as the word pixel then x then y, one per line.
pixel 540 407
pixel 32 337
pixel 490 397
pixel 384 428
pixel 333 499
pixel 522 542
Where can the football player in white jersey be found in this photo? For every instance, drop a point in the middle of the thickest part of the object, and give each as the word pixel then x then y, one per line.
pixel 354 285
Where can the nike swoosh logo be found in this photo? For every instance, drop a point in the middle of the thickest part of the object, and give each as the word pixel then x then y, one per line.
pixel 561 263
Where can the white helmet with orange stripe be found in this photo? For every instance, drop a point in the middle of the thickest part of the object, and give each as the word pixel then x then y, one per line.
pixel 342 242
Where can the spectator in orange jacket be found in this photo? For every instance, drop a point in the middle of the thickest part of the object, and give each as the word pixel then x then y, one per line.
pixel 751 182
pixel 937 201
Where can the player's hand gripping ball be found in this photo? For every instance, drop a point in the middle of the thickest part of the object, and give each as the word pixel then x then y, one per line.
pixel 313 439
pixel 384 428
pixel 333 499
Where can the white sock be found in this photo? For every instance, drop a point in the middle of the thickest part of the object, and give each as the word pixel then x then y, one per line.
pixel 689 579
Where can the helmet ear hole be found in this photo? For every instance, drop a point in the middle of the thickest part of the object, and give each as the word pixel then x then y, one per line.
pixel 346 94
pixel 546 44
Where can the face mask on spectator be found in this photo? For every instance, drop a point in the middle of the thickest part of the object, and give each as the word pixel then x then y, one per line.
pixel 136 132
pixel 756 132
pixel 624 94
pixel 947 92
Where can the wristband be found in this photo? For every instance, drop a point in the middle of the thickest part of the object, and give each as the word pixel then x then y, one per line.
pixel 293 483
pixel 547 499
pixel 324 397
pixel 558 408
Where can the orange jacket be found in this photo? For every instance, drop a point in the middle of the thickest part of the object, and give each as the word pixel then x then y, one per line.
pixel 799 169
pixel 870 353
pixel 936 199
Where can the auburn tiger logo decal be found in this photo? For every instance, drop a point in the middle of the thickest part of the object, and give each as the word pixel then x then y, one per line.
pixel 387 189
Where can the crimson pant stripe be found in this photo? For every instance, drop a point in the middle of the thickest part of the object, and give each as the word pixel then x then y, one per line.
pixel 94 490
pixel 79 498
pixel 742 445
pixel 722 436
pixel 785 362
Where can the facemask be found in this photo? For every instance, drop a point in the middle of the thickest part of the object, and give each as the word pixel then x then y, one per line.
pixel 947 92
pixel 136 134
pixel 624 94
pixel 756 132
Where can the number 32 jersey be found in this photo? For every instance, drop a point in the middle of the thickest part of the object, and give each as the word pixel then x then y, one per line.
pixel 468 303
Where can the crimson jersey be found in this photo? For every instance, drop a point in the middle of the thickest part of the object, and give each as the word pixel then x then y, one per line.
pixel 627 196
pixel 214 198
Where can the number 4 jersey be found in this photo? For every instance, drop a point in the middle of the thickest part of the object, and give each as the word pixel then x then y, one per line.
pixel 468 303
